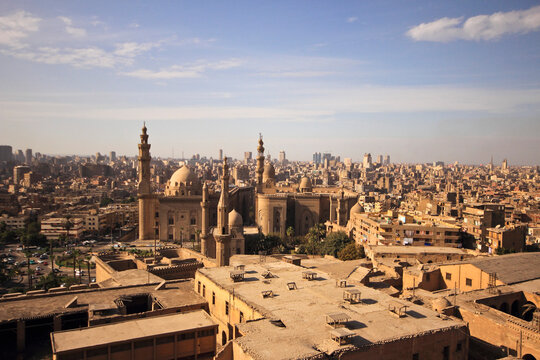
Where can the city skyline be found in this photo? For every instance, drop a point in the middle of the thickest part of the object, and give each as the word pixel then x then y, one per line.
pixel 422 82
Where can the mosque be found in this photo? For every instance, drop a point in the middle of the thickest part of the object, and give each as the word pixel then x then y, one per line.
pixel 187 209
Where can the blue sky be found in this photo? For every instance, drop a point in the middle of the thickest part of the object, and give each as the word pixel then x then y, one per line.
pixel 421 81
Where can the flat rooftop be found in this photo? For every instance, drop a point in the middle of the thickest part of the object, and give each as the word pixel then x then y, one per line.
pixel 94 336
pixel 303 312
pixel 177 293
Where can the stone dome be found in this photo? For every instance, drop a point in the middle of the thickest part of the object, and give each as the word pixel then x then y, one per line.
pixel 305 184
pixel 183 176
pixel 357 209
pixel 183 182
pixel 235 219
pixel 269 172
pixel 440 304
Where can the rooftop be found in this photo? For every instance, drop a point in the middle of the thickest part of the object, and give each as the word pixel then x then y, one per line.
pixel 68 340
pixel 303 312
pixel 511 268
pixel 177 293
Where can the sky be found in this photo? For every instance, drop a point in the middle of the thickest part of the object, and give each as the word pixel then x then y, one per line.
pixel 419 80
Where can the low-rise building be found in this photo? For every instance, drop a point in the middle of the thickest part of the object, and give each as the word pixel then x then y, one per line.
pixel 190 335
pixel 276 310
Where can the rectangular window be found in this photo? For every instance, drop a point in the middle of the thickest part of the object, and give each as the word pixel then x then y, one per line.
pixel 448 276
pixel 171 221
pixel 241 316
pixel 193 221
pixel 213 298
pixel 226 308
pixel 204 290
pixel 198 287
pixel 468 282
pixel 459 346
pixel 416 356
pixel 157 214
pixel 446 353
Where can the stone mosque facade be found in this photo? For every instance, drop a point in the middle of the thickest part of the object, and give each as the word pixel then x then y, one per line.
pixel 187 209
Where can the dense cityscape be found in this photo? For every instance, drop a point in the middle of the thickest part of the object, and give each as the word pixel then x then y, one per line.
pixel 285 180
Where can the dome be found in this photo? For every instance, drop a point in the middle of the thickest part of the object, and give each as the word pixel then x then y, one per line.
pixel 440 304
pixel 305 184
pixel 183 176
pixel 235 219
pixel 269 172
pixel 357 209
pixel 183 182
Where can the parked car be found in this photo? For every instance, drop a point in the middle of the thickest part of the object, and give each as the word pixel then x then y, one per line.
pixel 32 262
pixel 44 256
pixel 45 263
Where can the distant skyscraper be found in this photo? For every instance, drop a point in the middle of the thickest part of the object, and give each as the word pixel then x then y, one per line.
pixel 6 153
pixel 347 161
pixel 380 159
pixel 28 157
pixel 282 157
pixel 386 160
pixel 112 156
pixel 220 154
pixel 367 161
pixel 317 158
pixel 247 157
pixel 505 164
pixel 326 156
pixel 20 156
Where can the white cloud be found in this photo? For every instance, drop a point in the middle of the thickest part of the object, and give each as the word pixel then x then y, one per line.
pixel 71 30
pixel 132 49
pixel 189 71
pixel 352 19
pixel 297 74
pixel 88 57
pixel 481 27
pixel 16 27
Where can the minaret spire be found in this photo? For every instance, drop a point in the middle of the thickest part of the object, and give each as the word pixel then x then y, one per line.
pixel 223 204
pixel 146 210
pixel 260 163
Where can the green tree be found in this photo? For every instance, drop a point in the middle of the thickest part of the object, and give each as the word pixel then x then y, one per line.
pixel 67 226
pixel 334 243
pixel 351 252
pixel 105 201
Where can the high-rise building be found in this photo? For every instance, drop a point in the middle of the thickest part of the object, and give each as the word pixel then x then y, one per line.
pixel 247 157
pixel 386 160
pixel 6 153
pixel 380 159
pixel 220 154
pixel 20 156
pixel 317 158
pixel 112 156
pixel 505 164
pixel 367 161
pixel 28 157
pixel 282 157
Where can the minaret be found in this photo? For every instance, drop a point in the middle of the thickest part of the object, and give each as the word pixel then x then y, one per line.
pixel 222 235
pixel 260 164
pixel 223 204
pixel 204 225
pixel 341 208
pixel 146 231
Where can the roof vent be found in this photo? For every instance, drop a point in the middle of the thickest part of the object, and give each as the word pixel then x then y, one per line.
pixel 237 275
pixel 277 323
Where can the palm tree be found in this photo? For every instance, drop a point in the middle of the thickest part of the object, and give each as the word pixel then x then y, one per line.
pixel 28 254
pixel 68 225
pixel 198 234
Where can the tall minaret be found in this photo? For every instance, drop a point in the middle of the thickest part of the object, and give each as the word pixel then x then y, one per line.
pixel 146 231
pixel 341 208
pixel 223 204
pixel 204 224
pixel 260 163
pixel 222 235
